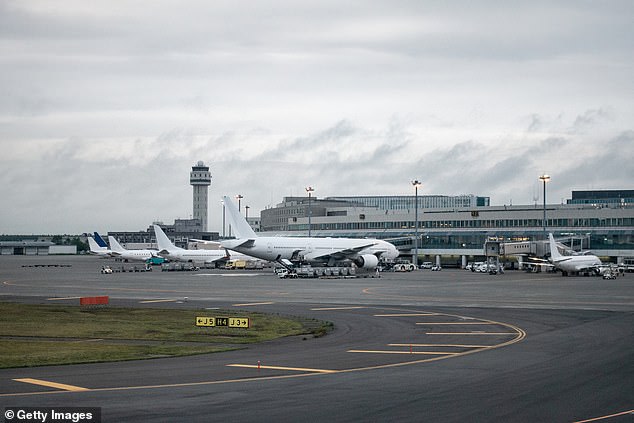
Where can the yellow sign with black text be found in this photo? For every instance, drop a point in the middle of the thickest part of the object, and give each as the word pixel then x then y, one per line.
pixel 205 321
pixel 230 322
pixel 238 322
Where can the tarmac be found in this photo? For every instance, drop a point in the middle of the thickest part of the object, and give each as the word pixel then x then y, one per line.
pixel 424 346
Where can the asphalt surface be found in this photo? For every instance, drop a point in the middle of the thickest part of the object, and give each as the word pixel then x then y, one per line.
pixel 423 346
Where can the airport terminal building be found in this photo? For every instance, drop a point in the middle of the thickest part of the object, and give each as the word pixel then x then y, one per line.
pixel 455 229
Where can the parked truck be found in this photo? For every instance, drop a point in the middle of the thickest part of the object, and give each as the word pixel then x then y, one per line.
pixel 236 264
pixel 155 260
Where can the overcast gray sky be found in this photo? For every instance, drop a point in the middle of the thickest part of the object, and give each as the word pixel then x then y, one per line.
pixel 106 105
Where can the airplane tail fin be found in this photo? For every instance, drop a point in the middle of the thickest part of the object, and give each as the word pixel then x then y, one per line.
pixel 162 241
pixel 114 245
pixel 554 251
pixel 94 247
pixel 99 240
pixel 240 225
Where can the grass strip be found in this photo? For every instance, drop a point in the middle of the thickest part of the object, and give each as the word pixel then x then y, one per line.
pixel 14 353
pixel 127 329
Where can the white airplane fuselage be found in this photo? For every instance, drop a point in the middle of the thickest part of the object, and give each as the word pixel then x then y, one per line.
pixel 119 252
pixel 136 255
pixel 573 264
pixel 309 249
pixel 195 256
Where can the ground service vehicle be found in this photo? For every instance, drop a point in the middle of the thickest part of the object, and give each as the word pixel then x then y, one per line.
pixel 404 267
pixel 236 264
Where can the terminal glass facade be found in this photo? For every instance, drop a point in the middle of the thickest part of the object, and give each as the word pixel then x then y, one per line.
pixel 405 202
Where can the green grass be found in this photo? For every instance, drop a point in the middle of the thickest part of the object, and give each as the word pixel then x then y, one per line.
pixel 50 334
pixel 42 353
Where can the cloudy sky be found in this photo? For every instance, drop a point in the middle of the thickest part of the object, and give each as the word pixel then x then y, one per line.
pixel 106 105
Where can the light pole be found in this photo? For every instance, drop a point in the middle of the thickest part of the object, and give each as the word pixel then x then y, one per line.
pixel 223 218
pixel 416 183
pixel 309 190
pixel 246 214
pixel 544 178
pixel 239 197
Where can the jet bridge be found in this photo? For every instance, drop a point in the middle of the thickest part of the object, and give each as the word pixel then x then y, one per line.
pixel 494 249
pixel 516 248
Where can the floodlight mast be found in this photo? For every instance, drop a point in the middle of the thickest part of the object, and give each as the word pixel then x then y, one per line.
pixel 416 183
pixel 544 178
pixel 309 190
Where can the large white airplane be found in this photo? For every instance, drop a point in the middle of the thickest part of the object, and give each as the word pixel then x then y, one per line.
pixel 169 251
pixel 117 251
pixel 572 264
pixel 96 249
pixel 365 253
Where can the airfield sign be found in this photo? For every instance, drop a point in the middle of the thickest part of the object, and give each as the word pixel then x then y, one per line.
pixel 230 322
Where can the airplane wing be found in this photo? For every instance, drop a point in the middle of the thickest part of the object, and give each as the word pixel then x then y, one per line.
pixel 219 258
pixel 204 242
pixel 238 243
pixel 337 254
pixel 532 263
pixel 536 261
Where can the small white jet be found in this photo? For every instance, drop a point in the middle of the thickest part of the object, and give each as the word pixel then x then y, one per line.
pixel 96 249
pixel 169 251
pixel 365 253
pixel 573 264
pixel 117 251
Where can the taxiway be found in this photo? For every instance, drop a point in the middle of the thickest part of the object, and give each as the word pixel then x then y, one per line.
pixel 428 346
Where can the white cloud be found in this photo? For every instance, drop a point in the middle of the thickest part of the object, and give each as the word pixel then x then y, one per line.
pixel 115 102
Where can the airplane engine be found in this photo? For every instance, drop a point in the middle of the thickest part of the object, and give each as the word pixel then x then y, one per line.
pixel 366 261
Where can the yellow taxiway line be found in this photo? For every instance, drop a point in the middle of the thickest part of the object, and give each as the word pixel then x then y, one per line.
pixel 440 345
pixel 336 308
pixel 596 419
pixel 295 369
pixel 456 323
pixel 471 333
pixel 52 385
pixel 403 352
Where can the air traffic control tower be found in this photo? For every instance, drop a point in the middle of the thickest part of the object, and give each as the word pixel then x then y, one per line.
pixel 200 179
